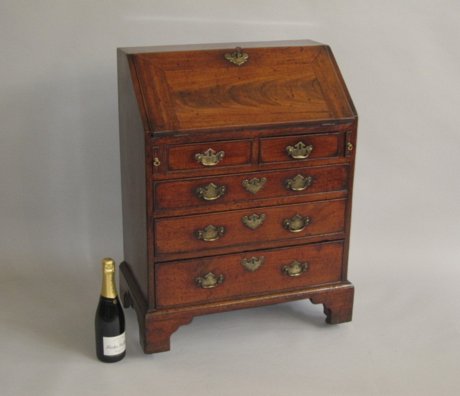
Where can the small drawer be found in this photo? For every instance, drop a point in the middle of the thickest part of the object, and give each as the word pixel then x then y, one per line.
pixel 209 155
pixel 201 233
pixel 238 275
pixel 232 189
pixel 302 147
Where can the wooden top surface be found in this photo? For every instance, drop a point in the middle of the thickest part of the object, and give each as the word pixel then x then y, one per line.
pixel 197 88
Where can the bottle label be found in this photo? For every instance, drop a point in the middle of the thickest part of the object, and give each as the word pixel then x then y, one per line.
pixel 114 345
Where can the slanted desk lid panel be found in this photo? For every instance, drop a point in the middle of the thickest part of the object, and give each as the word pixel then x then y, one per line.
pixel 192 90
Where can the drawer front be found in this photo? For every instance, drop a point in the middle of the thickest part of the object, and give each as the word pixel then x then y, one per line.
pixel 212 191
pixel 248 226
pixel 302 147
pixel 244 274
pixel 209 155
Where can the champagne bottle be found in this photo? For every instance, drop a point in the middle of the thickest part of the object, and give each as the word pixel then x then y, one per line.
pixel 110 320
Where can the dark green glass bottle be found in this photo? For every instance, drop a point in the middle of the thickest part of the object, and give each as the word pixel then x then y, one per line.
pixel 110 320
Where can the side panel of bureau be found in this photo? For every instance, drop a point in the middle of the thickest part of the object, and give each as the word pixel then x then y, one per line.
pixel 351 145
pixel 133 177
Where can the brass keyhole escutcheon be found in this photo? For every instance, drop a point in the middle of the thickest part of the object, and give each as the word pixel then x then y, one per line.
pixel 238 57
pixel 252 264
pixel 254 220
pixel 254 185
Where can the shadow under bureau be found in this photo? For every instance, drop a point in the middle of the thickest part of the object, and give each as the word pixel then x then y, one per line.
pixel 237 172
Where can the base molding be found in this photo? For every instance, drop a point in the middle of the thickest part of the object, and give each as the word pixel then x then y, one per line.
pixel 156 327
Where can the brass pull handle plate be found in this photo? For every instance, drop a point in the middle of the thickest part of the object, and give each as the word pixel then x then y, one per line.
pixel 209 280
pixel 254 185
pixel 299 151
pixel 298 183
pixel 295 268
pixel 210 192
pixel 296 223
pixel 253 221
pixel 209 157
pixel 252 264
pixel 237 57
pixel 210 233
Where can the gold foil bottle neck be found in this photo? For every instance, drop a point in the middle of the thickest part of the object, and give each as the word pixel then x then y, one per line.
pixel 109 288
pixel 108 265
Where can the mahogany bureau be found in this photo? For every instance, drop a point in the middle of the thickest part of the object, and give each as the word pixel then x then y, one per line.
pixel 237 171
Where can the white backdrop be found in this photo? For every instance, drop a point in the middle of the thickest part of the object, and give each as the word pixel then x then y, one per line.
pixel 60 203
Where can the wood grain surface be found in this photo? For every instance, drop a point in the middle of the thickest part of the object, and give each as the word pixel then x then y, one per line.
pixel 193 90
pixel 182 194
pixel 178 234
pixel 176 280
pixel 177 102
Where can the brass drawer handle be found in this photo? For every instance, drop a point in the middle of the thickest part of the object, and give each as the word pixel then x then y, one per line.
pixel 298 183
pixel 296 223
pixel 299 151
pixel 252 264
pixel 237 57
pixel 209 157
pixel 295 268
pixel 254 185
pixel 209 280
pixel 210 233
pixel 210 192
pixel 253 221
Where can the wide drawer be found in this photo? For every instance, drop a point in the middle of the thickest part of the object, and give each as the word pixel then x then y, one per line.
pixel 209 155
pixel 302 147
pixel 242 227
pixel 212 191
pixel 221 277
